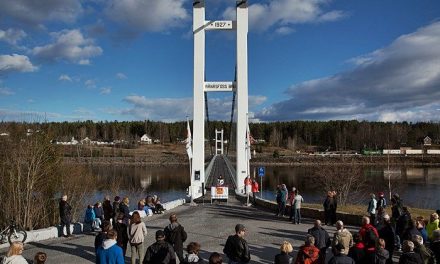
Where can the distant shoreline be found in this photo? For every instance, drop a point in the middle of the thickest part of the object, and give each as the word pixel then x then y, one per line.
pixel 174 159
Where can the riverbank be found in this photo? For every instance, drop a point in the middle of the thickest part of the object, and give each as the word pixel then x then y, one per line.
pixel 175 154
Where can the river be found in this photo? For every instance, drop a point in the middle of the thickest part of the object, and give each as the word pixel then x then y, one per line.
pixel 418 186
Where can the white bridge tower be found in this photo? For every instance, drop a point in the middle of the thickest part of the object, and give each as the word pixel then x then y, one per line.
pixel 240 86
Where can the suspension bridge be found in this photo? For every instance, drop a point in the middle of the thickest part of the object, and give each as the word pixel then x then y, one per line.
pixel 203 176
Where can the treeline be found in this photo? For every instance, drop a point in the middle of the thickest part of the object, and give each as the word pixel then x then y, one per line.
pixel 295 135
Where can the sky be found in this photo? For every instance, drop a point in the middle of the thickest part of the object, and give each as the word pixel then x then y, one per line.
pixel 69 60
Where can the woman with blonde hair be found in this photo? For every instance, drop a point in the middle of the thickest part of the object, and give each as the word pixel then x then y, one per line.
pixel 123 208
pixel 285 257
pixel 136 235
pixel 14 254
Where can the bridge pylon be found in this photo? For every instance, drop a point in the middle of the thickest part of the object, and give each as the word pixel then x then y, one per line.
pixel 201 86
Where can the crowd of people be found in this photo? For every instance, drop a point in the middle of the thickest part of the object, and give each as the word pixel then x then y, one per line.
pixel 376 242
pixel 381 235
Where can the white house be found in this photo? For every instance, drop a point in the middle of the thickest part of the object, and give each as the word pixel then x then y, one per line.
pixel 4 134
pixel 146 139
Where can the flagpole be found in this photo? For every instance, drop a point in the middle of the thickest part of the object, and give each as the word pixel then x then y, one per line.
pixel 189 141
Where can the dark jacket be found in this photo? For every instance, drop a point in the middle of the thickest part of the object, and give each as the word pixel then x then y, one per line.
pixel 108 209
pixel 435 247
pixel 99 212
pixel 357 253
pixel 381 256
pixel 65 212
pixel 403 222
pixel 237 249
pixel 175 235
pixel 330 203
pixel 410 258
pixel 122 238
pixel 115 209
pixel 284 258
pixel 99 239
pixel 341 259
pixel 388 234
pixel 123 208
pixel 160 252
pixel 322 239
pixel 410 232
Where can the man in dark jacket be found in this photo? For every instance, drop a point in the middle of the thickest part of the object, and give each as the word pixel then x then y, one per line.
pixel 160 252
pixel 435 244
pixel 322 239
pixel 108 208
pixel 388 234
pixel 175 235
pixel 409 256
pixel 115 206
pixel 65 215
pixel 381 255
pixel 340 257
pixel 236 247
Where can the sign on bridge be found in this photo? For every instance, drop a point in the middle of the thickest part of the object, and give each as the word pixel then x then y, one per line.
pixel 219 193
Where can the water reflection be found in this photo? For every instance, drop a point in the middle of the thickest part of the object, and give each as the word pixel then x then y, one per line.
pixel 416 185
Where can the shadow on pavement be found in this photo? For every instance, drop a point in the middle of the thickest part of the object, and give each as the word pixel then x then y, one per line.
pixel 85 252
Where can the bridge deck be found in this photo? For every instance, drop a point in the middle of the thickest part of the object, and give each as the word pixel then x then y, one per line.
pixel 219 166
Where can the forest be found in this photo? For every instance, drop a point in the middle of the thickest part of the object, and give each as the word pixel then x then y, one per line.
pixel 294 135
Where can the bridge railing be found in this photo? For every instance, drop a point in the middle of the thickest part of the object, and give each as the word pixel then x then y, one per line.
pixel 230 169
pixel 209 169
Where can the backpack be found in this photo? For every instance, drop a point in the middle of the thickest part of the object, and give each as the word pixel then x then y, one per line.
pixel 370 237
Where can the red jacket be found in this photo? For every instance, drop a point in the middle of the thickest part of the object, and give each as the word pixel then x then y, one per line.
pixel 307 255
pixel 363 233
pixel 255 187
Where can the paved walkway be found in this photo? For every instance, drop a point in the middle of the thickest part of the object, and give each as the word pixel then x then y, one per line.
pixel 207 224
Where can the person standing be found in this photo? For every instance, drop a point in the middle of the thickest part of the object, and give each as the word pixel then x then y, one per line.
pixel 136 235
pixel 435 244
pixel 340 257
pixel 342 236
pixel 369 236
pixel 160 252
pixel 116 204
pixel 372 208
pixel 308 253
pixel 175 235
pixel 322 240
pixel 330 206
pixel 123 208
pixel 432 225
pixel 388 234
pixel 236 247
pixel 107 208
pixel 285 256
pixel 110 252
pixel 297 201
pixel 255 190
pixel 65 215
pixel 247 184
pixel 409 256
pixel 281 199
pixel 290 198
pixel 357 252
pixel 382 255
pixel 122 230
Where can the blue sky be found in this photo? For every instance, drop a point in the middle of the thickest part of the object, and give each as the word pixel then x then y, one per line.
pixel 70 60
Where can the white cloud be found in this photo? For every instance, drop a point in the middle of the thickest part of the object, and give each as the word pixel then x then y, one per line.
pixel 90 84
pixel 68 45
pixel 284 30
pixel 16 62
pixel 12 36
pixel 282 14
pixel 172 109
pixel 147 15
pixel 64 77
pixel 6 91
pixel 35 12
pixel 398 82
pixel 105 90
pixel 121 76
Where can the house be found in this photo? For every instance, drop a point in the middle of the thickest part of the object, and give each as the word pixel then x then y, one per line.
pixel 146 139
pixel 86 141
pixel 4 134
pixel 427 141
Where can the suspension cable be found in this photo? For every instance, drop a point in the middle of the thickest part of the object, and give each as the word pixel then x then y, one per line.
pixel 232 114
pixel 207 122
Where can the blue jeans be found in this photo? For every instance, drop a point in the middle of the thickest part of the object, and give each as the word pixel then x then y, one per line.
pixel 296 216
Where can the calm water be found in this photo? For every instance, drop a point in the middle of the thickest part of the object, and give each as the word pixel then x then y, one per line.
pixel 418 186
